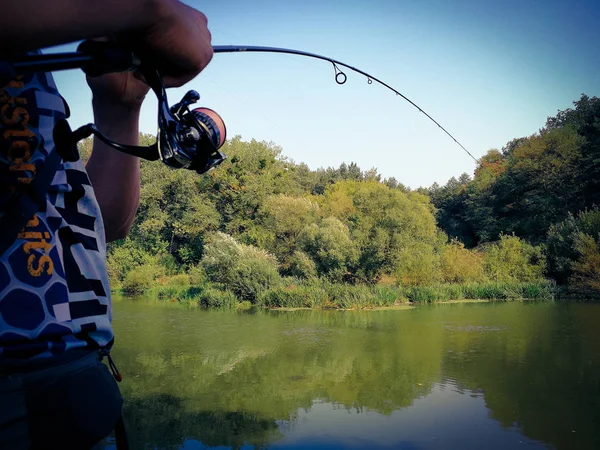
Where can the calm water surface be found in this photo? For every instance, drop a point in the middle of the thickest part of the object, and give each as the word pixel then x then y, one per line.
pixel 465 376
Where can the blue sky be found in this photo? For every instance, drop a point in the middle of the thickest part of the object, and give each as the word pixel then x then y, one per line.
pixel 488 71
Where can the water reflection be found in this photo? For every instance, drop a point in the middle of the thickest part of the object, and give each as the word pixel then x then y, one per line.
pixel 463 376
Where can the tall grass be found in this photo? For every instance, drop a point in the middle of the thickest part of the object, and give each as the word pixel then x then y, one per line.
pixel 344 296
pixel 541 290
pixel 320 294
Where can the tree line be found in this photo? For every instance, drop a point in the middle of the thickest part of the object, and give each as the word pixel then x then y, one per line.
pixel 544 188
pixel 262 223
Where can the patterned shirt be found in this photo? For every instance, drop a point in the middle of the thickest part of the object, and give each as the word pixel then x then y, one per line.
pixel 54 292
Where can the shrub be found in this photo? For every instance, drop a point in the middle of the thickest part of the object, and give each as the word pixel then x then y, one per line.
pixel 418 263
pixel 512 259
pixel 125 256
pixel 330 246
pixel 293 296
pixel 561 242
pixel 460 265
pixel 586 269
pixel 181 280
pixel 140 279
pixel 197 275
pixel 301 266
pixel 182 294
pixel 215 298
pixel 244 269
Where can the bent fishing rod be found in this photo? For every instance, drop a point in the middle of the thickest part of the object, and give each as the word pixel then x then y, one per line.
pixel 188 139
pixel 340 76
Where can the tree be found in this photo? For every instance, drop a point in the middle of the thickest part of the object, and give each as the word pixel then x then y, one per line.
pixel 330 246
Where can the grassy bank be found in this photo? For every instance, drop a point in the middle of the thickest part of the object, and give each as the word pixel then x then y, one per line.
pixel 322 295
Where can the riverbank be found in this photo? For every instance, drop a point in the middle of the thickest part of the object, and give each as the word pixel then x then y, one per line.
pixel 324 295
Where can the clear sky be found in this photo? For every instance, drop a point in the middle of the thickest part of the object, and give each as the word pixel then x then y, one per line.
pixel 488 71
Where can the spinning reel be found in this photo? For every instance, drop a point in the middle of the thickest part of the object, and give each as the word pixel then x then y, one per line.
pixel 186 138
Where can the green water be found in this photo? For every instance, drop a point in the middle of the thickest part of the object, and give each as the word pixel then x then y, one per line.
pixel 465 376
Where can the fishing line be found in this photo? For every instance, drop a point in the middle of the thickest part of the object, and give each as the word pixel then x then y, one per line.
pixel 339 74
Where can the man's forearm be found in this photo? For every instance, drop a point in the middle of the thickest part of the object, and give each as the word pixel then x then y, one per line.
pixel 31 24
pixel 115 176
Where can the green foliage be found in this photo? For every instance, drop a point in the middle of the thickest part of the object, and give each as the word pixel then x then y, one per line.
pixel 175 293
pixel 244 269
pixel 295 296
pixel 533 183
pixel 181 280
pixel 197 275
pixel 260 217
pixel 140 279
pixel 216 298
pixel 459 265
pixel 384 225
pixel 330 246
pixel 123 257
pixel 562 238
pixel 302 266
pixel 418 263
pixel 586 269
pixel 540 290
pixel 513 260
pixel 283 218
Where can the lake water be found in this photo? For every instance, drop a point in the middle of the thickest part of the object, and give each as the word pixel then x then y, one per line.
pixel 461 376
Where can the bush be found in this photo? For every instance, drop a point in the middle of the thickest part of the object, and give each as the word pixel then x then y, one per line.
pixel 586 269
pixel 418 263
pixel 303 296
pixel 181 280
pixel 140 279
pixel 215 298
pixel 513 260
pixel 244 269
pixel 540 290
pixel 125 256
pixel 197 275
pixel 460 265
pixel 182 294
pixel 561 242
pixel 330 247
pixel 301 266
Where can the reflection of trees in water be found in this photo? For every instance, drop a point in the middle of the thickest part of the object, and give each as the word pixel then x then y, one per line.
pixel 235 382
pixel 538 375
pixel 226 379
pixel 162 421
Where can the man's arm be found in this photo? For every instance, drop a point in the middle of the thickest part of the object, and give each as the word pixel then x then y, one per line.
pixel 173 36
pixel 169 34
pixel 32 24
pixel 115 176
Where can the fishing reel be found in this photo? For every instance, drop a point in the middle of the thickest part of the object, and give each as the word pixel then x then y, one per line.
pixel 186 138
pixel 190 139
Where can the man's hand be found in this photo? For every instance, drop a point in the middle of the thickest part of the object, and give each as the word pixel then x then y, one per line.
pixel 178 44
pixel 118 89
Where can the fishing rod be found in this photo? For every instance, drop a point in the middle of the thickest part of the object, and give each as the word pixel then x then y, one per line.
pixel 340 76
pixel 188 139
